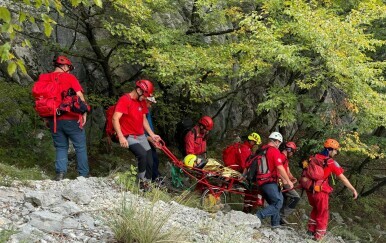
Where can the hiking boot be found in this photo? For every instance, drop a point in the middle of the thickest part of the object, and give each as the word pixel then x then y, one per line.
pixel 160 181
pixel 144 186
pixel 59 177
pixel 276 226
pixel 310 234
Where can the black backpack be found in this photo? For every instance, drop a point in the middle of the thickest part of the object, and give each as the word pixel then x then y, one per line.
pixel 183 127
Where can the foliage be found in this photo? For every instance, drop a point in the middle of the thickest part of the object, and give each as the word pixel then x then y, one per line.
pixel 9 173
pixel 128 181
pixel 6 234
pixel 354 145
pixel 140 223
pixel 22 129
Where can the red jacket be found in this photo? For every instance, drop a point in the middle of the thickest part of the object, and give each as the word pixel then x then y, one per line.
pixel 235 156
pixel 195 143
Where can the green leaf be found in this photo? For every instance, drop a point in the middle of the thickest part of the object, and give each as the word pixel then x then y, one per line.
pixel 22 17
pixel 75 3
pixel 38 3
pixel 7 27
pixel 32 19
pixel 11 68
pixel 4 51
pixel 47 29
pixel 98 3
pixel 27 43
pixel 21 65
pixel 5 14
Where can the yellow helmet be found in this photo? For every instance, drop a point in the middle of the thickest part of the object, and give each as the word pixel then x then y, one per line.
pixel 255 137
pixel 189 160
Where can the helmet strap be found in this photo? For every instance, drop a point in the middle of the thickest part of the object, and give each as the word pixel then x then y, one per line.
pixel 60 66
pixel 139 95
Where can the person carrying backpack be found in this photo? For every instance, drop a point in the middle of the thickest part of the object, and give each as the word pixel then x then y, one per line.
pixel 236 155
pixel 318 195
pixel 269 186
pixel 69 125
pixel 195 139
pixel 291 197
pixel 130 123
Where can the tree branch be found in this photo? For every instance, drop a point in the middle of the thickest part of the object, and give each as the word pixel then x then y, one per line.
pixel 222 32
pixel 374 189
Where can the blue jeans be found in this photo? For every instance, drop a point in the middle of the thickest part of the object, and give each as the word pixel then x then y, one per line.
pixel 274 198
pixel 65 130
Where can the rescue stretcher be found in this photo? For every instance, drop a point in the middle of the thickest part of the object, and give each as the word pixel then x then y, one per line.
pixel 215 181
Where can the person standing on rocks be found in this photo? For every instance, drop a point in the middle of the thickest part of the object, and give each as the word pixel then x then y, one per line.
pixel 130 123
pixel 270 189
pixel 319 199
pixel 291 197
pixel 69 125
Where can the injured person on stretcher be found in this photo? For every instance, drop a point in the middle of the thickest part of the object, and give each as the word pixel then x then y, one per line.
pixel 211 165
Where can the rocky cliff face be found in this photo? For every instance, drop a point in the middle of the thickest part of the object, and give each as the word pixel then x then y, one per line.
pixel 79 211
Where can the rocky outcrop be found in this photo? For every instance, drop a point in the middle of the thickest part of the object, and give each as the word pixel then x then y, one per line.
pixel 78 211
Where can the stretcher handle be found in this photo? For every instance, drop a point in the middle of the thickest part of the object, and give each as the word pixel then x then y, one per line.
pixel 160 144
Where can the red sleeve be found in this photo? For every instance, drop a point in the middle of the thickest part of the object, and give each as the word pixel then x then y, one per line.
pixel 74 83
pixel 123 105
pixel 189 143
pixel 335 168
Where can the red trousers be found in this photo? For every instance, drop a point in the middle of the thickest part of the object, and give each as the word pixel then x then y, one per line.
pixel 319 215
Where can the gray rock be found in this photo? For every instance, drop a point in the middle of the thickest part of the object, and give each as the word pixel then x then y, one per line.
pixel 67 208
pixel 47 221
pixel 43 199
pixel 79 193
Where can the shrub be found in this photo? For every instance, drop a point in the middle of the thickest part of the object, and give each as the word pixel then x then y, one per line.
pixel 133 222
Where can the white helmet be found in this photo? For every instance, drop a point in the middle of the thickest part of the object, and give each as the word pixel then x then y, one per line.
pixel 276 136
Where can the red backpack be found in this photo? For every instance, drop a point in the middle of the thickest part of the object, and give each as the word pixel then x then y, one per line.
pixel 231 156
pixel 109 128
pixel 259 170
pixel 313 175
pixel 47 94
pixel 48 97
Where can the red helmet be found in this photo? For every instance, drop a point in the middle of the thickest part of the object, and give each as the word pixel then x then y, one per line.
pixel 207 122
pixel 62 60
pixel 146 86
pixel 331 143
pixel 291 145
